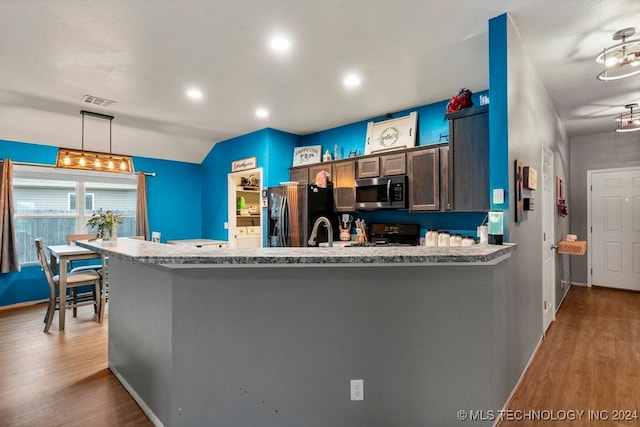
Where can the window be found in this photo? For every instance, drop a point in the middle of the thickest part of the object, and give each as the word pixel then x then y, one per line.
pixel 45 204
pixel 88 203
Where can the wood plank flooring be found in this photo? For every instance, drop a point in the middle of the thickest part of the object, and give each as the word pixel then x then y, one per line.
pixel 589 360
pixel 60 378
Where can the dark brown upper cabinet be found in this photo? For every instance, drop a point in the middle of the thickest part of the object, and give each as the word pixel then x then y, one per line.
pixel 469 159
pixel 424 179
pixel 344 186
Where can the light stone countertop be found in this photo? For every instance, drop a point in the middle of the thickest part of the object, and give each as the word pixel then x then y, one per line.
pixel 179 256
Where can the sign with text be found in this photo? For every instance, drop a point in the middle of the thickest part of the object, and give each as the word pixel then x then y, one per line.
pixel 306 155
pixel 244 164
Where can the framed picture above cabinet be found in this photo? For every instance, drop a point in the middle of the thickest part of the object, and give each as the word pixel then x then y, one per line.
pixel 392 134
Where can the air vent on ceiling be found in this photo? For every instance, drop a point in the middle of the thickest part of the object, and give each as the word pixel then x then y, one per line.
pixel 100 102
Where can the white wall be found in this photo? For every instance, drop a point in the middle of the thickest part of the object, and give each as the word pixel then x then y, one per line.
pixel 534 124
pixel 137 138
pixel 590 152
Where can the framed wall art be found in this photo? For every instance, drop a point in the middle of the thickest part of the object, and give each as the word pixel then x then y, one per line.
pixel 307 155
pixel 530 178
pixel 518 173
pixel 392 134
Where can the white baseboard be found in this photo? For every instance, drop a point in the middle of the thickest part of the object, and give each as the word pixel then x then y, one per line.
pixel 515 387
pixel 23 304
pixel 563 297
pixel 580 284
pixel 143 405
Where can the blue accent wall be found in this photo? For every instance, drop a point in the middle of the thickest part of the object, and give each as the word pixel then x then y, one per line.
pixel 498 115
pixel 274 152
pixel 432 129
pixel 173 200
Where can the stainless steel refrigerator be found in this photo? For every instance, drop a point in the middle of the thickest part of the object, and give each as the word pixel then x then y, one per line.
pixel 293 209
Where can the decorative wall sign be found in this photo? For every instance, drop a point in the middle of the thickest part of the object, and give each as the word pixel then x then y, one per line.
pixel 307 155
pixel 244 164
pixel 391 134
pixel 560 201
pixel 530 177
pixel 518 173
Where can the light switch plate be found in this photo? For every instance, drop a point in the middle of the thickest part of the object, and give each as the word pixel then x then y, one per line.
pixel 498 196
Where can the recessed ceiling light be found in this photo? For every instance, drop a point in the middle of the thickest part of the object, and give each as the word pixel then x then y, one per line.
pixel 262 113
pixel 280 43
pixel 194 93
pixel 352 80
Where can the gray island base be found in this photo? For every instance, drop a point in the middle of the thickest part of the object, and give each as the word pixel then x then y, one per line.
pixel 224 342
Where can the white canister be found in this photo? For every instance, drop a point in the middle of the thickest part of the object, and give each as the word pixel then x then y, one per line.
pixel 456 240
pixel 483 233
pixel 431 238
pixel 443 239
pixel 468 241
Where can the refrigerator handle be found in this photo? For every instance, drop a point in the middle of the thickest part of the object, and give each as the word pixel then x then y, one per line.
pixel 284 215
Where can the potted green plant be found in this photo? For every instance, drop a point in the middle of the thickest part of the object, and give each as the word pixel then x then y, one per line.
pixel 105 223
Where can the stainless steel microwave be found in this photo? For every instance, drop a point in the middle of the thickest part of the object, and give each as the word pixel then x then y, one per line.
pixel 382 193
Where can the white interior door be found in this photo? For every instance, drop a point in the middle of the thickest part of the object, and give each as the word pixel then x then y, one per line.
pixel 614 243
pixel 548 227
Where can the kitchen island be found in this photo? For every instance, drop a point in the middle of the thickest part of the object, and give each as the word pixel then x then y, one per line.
pixel 273 336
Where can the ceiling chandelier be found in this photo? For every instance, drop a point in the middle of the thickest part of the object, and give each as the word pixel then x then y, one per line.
pixel 628 122
pixel 90 160
pixel 622 59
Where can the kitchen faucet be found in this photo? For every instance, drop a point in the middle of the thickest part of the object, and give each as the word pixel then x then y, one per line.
pixel 327 223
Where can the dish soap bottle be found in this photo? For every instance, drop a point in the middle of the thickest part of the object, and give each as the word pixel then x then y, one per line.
pixel 326 157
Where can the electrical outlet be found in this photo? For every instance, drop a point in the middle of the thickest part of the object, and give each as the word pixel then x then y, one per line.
pixel 357 389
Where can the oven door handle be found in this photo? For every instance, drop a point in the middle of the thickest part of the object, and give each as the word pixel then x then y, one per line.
pixel 389 192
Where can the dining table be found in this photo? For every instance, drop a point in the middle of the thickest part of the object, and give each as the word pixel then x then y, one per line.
pixel 61 255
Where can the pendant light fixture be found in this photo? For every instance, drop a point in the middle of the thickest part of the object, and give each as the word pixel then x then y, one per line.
pixel 622 59
pixel 90 160
pixel 628 122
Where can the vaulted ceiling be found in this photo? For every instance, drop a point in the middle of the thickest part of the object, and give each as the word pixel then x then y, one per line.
pixel 144 55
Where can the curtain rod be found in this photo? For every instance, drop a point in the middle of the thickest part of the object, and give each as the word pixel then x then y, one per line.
pixel 43 165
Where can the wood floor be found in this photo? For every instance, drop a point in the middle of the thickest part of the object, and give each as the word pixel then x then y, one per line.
pixel 60 378
pixel 589 360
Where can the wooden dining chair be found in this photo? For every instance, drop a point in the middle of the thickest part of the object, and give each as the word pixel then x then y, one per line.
pixel 74 280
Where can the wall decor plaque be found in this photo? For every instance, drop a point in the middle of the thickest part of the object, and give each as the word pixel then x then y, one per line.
pixel 518 174
pixel 244 164
pixel 530 177
pixel 307 155
pixel 392 134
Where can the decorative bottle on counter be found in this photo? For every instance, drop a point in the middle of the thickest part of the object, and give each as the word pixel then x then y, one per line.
pixel 431 238
pixel 443 239
pixel 326 157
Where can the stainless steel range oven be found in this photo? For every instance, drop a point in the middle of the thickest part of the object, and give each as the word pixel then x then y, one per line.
pixel 392 235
